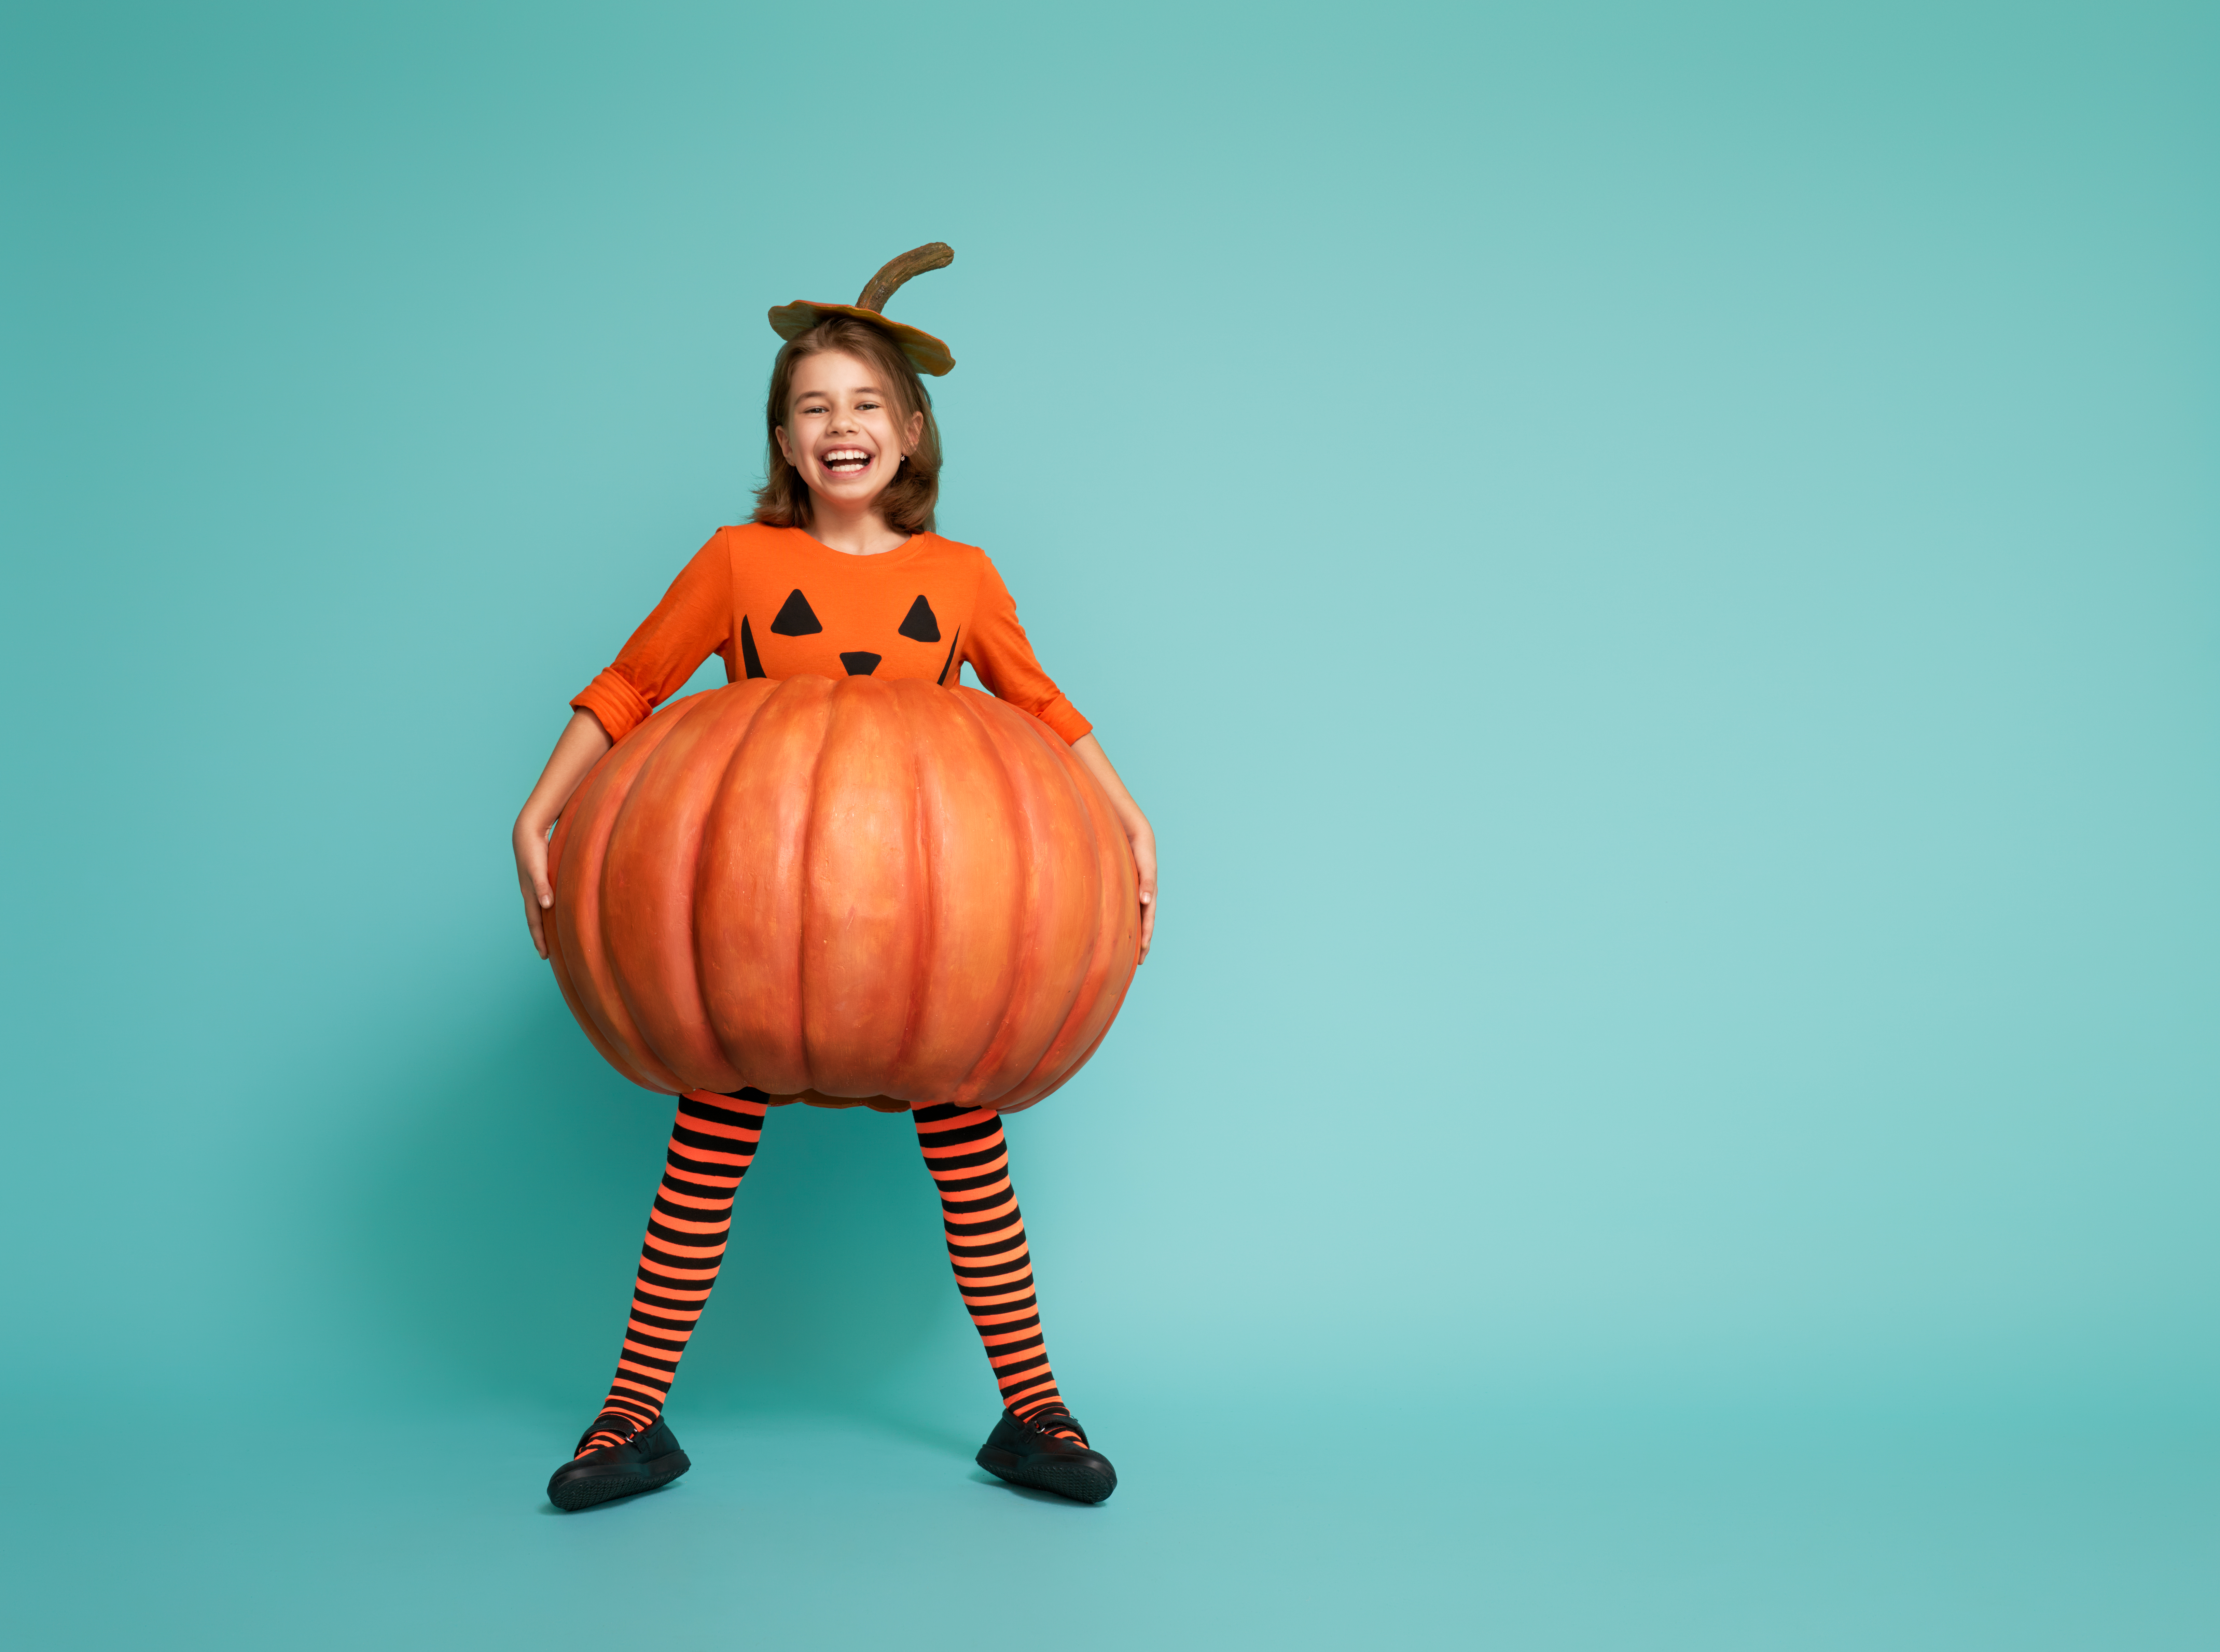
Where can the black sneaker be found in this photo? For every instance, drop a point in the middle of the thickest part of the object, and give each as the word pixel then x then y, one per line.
pixel 1026 1453
pixel 648 1458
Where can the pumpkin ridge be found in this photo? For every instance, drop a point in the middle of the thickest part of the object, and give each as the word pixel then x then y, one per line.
pixel 966 822
pixel 561 915
pixel 1117 901
pixel 877 730
pixel 703 860
pixel 1082 1000
pixel 806 878
pixel 992 1068
pixel 922 862
pixel 610 783
pixel 748 937
pixel 624 993
pixel 970 1091
pixel 820 732
pixel 1058 764
pixel 655 841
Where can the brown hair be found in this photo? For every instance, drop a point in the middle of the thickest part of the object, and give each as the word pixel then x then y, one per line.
pixel 908 500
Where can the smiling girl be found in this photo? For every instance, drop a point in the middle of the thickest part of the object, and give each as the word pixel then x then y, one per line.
pixel 838 573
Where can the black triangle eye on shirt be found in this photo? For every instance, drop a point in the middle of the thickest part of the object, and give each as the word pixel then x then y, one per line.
pixel 796 618
pixel 919 625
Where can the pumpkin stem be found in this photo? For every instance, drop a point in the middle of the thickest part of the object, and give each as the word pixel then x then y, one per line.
pixel 934 255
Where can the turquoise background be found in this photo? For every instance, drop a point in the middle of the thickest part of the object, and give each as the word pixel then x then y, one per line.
pixel 1654 565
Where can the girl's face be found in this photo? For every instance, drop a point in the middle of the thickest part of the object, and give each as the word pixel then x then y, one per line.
pixel 844 430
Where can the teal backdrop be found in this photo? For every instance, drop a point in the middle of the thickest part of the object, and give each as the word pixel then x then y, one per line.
pixel 1653 565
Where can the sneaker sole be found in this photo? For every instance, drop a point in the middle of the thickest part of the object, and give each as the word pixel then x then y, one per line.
pixel 1075 1481
pixel 574 1494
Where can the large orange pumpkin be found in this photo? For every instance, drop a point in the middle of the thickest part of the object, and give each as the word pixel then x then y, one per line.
pixel 867 891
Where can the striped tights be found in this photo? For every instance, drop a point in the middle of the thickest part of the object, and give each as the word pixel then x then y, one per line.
pixel 971 1164
pixel 712 1145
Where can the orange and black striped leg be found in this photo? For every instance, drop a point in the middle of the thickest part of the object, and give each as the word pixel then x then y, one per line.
pixel 970 1163
pixel 712 1145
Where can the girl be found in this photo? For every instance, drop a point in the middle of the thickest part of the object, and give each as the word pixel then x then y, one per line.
pixel 839 571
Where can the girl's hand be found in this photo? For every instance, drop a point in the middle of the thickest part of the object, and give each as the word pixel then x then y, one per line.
pixel 577 752
pixel 532 880
pixel 1139 832
pixel 1145 862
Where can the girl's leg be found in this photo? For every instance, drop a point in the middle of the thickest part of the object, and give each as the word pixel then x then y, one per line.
pixel 712 1145
pixel 965 1152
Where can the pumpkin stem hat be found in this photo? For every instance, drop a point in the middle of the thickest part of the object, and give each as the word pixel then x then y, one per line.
pixel 926 353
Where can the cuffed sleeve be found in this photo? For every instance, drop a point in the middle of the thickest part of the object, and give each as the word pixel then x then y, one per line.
pixel 1003 657
pixel 693 622
pixel 616 705
pixel 1064 717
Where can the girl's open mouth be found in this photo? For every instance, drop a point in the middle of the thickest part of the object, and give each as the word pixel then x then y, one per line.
pixel 846 461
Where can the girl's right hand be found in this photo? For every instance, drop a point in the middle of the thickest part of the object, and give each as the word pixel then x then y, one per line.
pixel 539 893
pixel 575 754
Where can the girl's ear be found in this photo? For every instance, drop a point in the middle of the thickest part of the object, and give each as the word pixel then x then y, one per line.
pixel 916 429
pixel 785 449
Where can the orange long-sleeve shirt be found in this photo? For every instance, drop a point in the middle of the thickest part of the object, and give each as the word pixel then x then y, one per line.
pixel 776 603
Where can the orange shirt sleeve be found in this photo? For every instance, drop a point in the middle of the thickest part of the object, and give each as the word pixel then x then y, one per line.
pixel 1003 657
pixel 693 622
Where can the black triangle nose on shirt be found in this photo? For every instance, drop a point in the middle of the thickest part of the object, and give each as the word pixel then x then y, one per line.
pixel 860 663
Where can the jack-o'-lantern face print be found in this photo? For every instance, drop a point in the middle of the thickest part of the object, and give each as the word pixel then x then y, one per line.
pixel 905 641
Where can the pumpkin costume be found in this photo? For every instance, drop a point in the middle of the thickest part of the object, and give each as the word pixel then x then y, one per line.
pixel 845 891
pixel 776 604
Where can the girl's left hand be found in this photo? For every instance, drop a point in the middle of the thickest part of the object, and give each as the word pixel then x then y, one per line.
pixel 1089 751
pixel 1144 862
